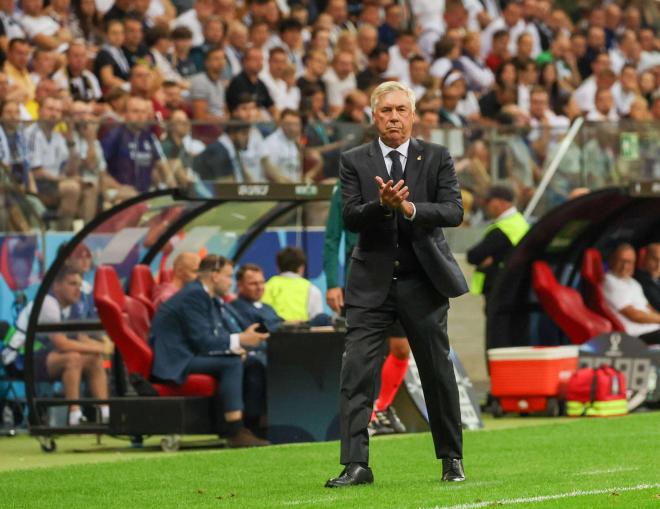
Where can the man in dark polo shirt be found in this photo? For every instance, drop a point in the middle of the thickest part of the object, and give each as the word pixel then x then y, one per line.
pixel 248 81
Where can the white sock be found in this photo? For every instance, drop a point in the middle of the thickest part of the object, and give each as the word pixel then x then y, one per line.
pixel 74 417
pixel 105 413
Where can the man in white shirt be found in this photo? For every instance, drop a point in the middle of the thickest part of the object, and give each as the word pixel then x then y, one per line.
pixel 604 110
pixel 625 90
pixel 59 357
pixel 602 77
pixel 400 54
pixel 283 147
pixel 511 21
pixel 547 128
pixel 75 77
pixel 272 76
pixel 626 297
pixel 339 81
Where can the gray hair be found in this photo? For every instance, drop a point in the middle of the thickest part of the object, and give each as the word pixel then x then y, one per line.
pixel 391 86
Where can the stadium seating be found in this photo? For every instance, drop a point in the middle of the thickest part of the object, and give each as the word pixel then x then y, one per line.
pixel 566 307
pixel 122 319
pixel 141 287
pixel 593 276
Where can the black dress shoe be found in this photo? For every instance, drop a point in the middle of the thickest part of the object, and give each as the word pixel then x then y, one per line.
pixel 352 475
pixel 452 470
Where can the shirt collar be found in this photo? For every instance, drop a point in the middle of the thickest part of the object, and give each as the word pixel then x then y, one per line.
pixel 401 149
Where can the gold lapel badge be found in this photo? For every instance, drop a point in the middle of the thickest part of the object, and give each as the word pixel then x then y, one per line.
pixel 419 158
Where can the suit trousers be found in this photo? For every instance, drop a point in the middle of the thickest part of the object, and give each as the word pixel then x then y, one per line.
pixel 422 312
pixel 228 371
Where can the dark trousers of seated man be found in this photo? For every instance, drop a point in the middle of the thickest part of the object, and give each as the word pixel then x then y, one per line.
pixel 254 391
pixel 228 371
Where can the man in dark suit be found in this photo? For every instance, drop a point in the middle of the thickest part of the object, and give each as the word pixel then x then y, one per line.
pixel 399 193
pixel 193 332
pixel 649 275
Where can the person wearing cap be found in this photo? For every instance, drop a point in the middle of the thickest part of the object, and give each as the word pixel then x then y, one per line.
pixel 508 228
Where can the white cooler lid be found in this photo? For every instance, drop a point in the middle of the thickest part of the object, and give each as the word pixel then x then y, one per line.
pixel 533 352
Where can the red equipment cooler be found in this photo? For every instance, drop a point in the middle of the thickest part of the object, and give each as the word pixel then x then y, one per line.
pixel 530 379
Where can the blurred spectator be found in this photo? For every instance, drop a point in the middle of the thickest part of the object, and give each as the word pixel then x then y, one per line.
pixel 250 284
pixel 293 297
pixel 184 270
pixel 367 41
pixel 9 26
pixel 14 154
pixel 272 76
pixel 648 276
pixel 254 157
pixel 355 106
pixel 45 88
pixel 142 85
pixel 44 64
pixel 639 110
pixel 173 99
pixel 511 21
pixel 75 77
pixel 428 122
pixel 372 75
pixel 90 22
pixel 627 51
pixel 450 98
pixel 221 160
pixel 55 170
pixel 111 65
pixel 625 296
pixel 88 153
pixel 527 79
pixel 339 81
pixel 284 147
pixel 388 31
pixel 290 31
pixel 248 81
pixel 207 91
pixel 194 18
pixel 182 60
pixel 235 46
pixel 491 103
pixel 546 127
pixel 41 29
pixel 400 54
pixel 447 52
pixel 116 99
pixel 625 90
pixel 604 110
pixel 134 48
pixel 500 50
pixel 214 32
pixel 477 75
pixel 131 149
pixel 67 358
pixel 420 79
pixel 16 68
pixel 549 81
pixel 180 150
pixel 160 45
pixel 291 98
pixel 602 77
pixel 61 12
pixel 338 12
pixel 316 64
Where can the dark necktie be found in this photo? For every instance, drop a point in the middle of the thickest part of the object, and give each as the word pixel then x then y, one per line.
pixel 228 320
pixel 396 171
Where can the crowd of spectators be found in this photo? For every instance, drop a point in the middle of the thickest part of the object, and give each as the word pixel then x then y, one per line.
pixel 99 78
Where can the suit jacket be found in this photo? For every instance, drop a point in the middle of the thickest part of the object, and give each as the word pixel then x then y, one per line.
pixel 186 325
pixel 434 190
pixel 247 314
pixel 651 288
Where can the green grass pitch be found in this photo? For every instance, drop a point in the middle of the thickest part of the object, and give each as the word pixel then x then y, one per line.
pixel 586 463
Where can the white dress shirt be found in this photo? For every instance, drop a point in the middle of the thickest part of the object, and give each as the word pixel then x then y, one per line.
pixel 403 157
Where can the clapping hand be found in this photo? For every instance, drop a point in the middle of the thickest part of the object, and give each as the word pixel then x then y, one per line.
pixel 392 195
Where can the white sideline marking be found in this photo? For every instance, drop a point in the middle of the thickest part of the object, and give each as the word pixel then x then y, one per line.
pixel 543 498
pixel 330 498
pixel 608 470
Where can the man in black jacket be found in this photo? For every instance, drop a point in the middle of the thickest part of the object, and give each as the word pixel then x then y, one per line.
pixel 649 275
pixel 398 193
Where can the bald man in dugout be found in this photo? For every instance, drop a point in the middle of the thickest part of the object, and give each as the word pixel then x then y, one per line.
pixel 184 270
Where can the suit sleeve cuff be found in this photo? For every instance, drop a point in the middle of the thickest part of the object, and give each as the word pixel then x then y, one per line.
pixel 412 217
pixel 235 343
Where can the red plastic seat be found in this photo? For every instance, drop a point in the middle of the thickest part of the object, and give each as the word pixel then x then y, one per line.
pixel 121 317
pixel 566 307
pixel 593 275
pixel 141 287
